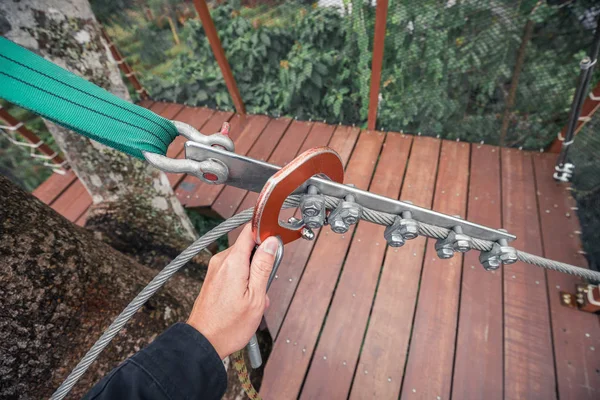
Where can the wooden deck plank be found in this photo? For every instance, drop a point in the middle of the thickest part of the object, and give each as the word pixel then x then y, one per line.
pixel 54 186
pixel 386 342
pixel 576 335
pixel 231 197
pixel 289 359
pixel 330 374
pixel 431 353
pixel 297 253
pixel 196 117
pixel 479 363
pixel 81 220
pixel 147 103
pixel 171 111
pixel 286 150
pixel 73 202
pixel 528 352
pixel 191 191
pixel 158 107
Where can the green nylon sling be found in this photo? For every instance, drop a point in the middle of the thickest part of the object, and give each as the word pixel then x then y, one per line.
pixel 36 84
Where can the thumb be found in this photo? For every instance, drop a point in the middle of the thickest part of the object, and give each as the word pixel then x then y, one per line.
pixel 262 265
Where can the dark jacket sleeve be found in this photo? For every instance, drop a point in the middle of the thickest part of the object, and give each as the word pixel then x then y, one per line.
pixel 179 364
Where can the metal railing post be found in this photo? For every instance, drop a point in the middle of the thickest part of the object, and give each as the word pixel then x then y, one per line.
pixel 377 62
pixel 563 170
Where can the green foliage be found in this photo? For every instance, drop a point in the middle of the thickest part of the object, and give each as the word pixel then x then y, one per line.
pixel 447 69
pixel 203 224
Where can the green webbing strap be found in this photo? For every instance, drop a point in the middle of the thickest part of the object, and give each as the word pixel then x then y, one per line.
pixel 36 84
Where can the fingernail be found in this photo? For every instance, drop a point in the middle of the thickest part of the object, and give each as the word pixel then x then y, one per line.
pixel 270 246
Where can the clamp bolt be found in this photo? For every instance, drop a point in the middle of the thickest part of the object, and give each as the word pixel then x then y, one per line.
pixel 307 233
pixel 500 254
pixel 313 208
pixel 347 213
pixel 456 241
pixel 404 228
pixel 445 253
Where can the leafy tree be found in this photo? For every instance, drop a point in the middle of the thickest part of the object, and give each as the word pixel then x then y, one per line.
pixel 447 68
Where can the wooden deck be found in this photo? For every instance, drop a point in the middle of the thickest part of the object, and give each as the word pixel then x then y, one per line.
pixel 354 318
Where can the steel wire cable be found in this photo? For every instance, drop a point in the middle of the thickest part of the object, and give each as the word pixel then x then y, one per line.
pixel 241 218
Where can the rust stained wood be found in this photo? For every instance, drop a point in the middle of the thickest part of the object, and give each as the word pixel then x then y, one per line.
pixel 431 352
pixel 377 62
pixel 576 334
pixel 231 197
pixel 54 186
pixel 287 148
pixel 291 354
pixel 386 342
pixel 297 253
pixel 196 117
pixel 219 53
pixel 330 374
pixel 190 190
pixel 73 202
pixel 528 352
pixel 478 365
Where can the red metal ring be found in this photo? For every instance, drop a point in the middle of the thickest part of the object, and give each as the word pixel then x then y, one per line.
pixel 265 220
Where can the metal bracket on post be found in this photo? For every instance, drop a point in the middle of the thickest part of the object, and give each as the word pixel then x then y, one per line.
pixel 586 298
pixel 564 172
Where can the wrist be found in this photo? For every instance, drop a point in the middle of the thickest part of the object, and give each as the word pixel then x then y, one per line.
pixel 210 336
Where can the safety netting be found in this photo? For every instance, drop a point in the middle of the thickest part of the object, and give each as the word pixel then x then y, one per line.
pixel 585 155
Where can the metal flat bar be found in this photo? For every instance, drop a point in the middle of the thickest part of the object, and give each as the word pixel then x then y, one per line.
pixel 250 174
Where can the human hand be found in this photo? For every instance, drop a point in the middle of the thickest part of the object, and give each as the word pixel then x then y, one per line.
pixel 233 298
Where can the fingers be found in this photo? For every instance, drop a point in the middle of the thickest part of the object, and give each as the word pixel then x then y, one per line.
pixel 262 265
pixel 244 244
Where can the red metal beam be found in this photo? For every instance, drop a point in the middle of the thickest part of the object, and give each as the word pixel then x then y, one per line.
pixel 215 44
pixel 377 62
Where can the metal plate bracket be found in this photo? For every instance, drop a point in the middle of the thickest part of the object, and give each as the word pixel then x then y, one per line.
pixel 250 174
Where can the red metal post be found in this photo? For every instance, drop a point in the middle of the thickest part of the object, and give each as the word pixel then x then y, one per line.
pixel 215 44
pixel 377 62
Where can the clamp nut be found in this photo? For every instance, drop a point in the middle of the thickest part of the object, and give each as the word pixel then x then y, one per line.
pixel 456 241
pixel 500 254
pixel 404 228
pixel 490 263
pixel 312 207
pixel 345 214
pixel 445 253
